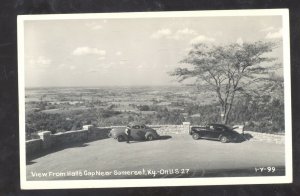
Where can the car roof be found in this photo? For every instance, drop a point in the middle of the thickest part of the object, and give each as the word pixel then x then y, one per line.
pixel 223 125
pixel 217 124
pixel 135 123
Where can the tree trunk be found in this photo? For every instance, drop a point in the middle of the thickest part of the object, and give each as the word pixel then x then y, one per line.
pixel 227 109
pixel 226 115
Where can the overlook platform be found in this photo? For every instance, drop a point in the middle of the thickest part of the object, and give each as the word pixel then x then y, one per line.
pixel 203 158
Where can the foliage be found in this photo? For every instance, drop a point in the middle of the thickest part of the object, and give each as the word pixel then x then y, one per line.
pixel 207 114
pixel 260 114
pixel 50 122
pixel 144 108
pixel 227 69
pixel 263 113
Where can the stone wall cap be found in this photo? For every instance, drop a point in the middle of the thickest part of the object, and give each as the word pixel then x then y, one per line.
pixel 69 132
pixel 186 123
pixel 33 140
pixel 86 127
pixel 44 132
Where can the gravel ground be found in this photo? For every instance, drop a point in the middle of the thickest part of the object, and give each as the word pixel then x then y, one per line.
pixel 174 156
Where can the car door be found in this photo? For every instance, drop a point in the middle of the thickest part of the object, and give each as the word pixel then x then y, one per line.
pixel 210 133
pixel 143 131
pixel 202 131
pixel 217 131
pixel 213 131
pixel 137 133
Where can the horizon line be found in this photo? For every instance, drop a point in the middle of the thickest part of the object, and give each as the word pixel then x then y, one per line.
pixel 95 86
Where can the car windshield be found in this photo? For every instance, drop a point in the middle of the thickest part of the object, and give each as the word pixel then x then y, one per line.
pixel 228 127
pixel 136 126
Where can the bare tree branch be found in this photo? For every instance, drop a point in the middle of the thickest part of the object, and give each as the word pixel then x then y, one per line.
pixel 227 68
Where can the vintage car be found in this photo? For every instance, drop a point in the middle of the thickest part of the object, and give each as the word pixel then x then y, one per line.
pixel 139 131
pixel 219 132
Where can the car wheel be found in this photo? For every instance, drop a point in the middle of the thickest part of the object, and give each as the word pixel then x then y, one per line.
pixel 224 139
pixel 196 136
pixel 120 138
pixel 149 137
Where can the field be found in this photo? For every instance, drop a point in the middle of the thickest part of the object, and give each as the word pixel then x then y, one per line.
pixel 69 108
pixel 123 98
pixel 113 103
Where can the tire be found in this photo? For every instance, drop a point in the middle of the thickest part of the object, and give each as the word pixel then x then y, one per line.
pixel 224 139
pixel 120 138
pixel 196 136
pixel 149 137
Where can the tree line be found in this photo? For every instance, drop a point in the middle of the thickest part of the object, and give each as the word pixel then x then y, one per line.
pixel 242 76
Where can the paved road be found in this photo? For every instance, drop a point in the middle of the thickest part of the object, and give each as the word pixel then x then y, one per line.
pixel 192 158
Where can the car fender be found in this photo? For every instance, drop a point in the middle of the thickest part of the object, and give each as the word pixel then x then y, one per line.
pixel 149 133
pixel 154 133
pixel 225 135
pixel 122 134
pixel 117 134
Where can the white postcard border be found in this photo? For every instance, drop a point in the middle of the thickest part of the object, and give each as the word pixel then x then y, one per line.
pixel 62 184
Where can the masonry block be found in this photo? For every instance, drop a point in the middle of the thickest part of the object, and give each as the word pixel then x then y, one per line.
pixel 45 136
pixel 87 127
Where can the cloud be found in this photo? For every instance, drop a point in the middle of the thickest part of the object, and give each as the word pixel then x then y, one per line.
pixel 72 67
pixel 41 62
pixel 161 33
pixel 218 33
pixel 98 68
pixel 168 34
pixel 240 41
pixel 94 25
pixel 101 58
pixel 103 66
pixel 119 53
pixel 61 66
pixel 267 29
pixel 140 66
pixel 186 31
pixel 93 71
pixel 201 38
pixel 84 50
pixel 274 35
pixel 106 66
pixel 181 33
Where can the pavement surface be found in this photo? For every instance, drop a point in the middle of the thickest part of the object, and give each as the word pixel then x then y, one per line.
pixel 174 156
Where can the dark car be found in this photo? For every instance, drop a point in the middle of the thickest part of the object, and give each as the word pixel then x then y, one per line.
pixel 219 132
pixel 139 131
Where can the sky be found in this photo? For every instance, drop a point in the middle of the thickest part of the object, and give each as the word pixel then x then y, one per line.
pixel 129 51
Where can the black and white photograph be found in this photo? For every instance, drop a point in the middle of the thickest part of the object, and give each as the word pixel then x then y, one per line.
pixel 145 99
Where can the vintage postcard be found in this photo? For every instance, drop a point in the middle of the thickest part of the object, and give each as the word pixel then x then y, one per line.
pixel 154 99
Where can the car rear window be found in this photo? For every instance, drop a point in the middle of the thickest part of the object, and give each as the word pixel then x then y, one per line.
pixel 196 128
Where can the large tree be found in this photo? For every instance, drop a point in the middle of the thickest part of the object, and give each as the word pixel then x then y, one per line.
pixel 227 69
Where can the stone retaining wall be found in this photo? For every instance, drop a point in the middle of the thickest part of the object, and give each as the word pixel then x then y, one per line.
pixel 90 133
pixel 33 146
pixel 166 129
pixel 65 138
pixel 266 137
pixel 96 133
pixel 48 141
pixel 170 129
